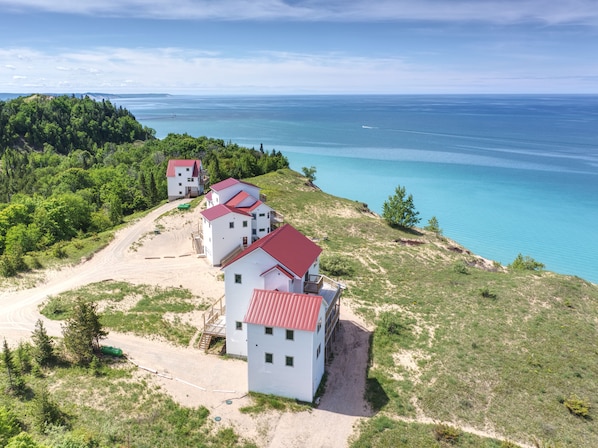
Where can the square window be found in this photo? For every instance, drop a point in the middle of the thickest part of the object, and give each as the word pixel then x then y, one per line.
pixel 238 278
pixel 238 325
pixel 269 358
pixel 231 225
pixel 269 330
pixel 290 335
pixel 244 223
pixel 288 361
pixel 187 169
pixel 180 184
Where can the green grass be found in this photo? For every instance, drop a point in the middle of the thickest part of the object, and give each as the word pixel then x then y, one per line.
pixel 493 348
pixel 264 403
pixel 116 408
pixel 144 314
pixel 386 432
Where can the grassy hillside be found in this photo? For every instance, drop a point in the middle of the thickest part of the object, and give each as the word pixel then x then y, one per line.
pixel 458 339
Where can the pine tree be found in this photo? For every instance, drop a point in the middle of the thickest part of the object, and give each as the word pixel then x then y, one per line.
pixel 82 332
pixel 43 347
pixel 15 381
pixel 399 210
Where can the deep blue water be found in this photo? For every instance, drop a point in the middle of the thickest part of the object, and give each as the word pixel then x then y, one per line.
pixel 503 174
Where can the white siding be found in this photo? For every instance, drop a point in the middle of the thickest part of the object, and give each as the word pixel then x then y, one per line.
pixel 238 296
pixel 220 239
pixel 183 182
pixel 261 222
pixel 299 381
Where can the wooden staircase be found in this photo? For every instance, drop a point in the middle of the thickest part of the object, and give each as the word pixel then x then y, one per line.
pixel 214 324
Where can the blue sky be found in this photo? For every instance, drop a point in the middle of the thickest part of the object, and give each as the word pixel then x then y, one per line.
pixel 299 46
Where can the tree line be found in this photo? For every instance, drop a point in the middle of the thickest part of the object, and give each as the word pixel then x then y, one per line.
pixel 74 166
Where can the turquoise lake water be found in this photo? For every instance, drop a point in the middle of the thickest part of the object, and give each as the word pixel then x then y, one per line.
pixel 502 174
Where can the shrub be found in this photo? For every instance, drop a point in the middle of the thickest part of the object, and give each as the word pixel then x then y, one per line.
pixel 460 268
pixel 433 226
pixel 487 293
pixel 337 266
pixel 577 406
pixel 526 263
pixel 447 433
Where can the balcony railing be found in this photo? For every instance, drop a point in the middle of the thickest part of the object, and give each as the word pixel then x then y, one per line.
pixel 313 284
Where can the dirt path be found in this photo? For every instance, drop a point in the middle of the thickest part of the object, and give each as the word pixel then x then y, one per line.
pixel 192 378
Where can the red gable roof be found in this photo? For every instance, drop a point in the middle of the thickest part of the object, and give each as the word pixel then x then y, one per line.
pixel 173 163
pixel 289 247
pixel 238 198
pixel 218 211
pixel 227 183
pixel 284 310
pixel 280 269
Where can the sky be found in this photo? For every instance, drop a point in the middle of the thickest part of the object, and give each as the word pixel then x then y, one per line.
pixel 299 46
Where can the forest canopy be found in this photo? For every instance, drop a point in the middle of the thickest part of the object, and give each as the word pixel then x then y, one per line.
pixel 74 166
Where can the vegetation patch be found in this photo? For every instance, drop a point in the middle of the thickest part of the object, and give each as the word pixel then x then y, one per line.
pixel 437 303
pixel 263 403
pixel 143 310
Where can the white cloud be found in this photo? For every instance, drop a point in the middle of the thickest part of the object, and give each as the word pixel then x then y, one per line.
pixel 178 70
pixel 485 11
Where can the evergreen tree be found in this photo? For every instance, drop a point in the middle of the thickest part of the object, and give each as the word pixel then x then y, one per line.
pixel 15 382
pixel 399 210
pixel 82 332
pixel 43 347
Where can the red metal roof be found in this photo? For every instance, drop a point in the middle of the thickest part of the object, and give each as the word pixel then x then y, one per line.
pixel 220 210
pixel 173 163
pixel 284 310
pixel 227 183
pixel 289 247
pixel 238 198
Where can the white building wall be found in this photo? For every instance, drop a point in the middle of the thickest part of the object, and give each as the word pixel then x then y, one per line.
pixel 220 239
pixel 238 296
pixel 299 381
pixel 318 350
pixel 277 280
pixel 182 180
pixel 261 222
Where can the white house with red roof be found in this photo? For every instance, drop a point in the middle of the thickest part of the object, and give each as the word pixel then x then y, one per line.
pixel 282 260
pixel 225 190
pixel 220 238
pixel 184 178
pixel 285 343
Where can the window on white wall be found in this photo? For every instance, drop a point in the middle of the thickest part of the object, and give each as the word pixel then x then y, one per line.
pixel 238 325
pixel 269 358
pixel 244 223
pixel 318 350
pixel 268 330
pixel 289 361
pixel 231 225
pixel 319 325
pixel 238 278
pixel 290 335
